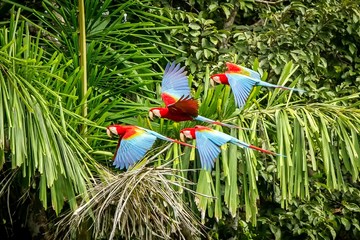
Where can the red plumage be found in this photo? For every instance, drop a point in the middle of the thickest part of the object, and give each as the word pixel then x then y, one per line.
pixel 234 68
pixel 185 109
pixel 168 99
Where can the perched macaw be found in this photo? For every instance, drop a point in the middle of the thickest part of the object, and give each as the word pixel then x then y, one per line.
pixel 242 80
pixel 133 143
pixel 179 105
pixel 208 142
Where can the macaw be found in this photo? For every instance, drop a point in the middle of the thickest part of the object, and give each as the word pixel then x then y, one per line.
pixel 241 81
pixel 133 143
pixel 179 105
pixel 208 142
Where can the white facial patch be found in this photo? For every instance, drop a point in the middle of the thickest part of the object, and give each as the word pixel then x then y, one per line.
pixel 216 79
pixel 156 113
pixel 187 134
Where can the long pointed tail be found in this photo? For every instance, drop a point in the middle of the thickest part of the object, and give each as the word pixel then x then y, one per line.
pixel 265 151
pixel 162 137
pixel 182 143
pixel 177 141
pixel 208 120
pixel 243 144
pixel 265 84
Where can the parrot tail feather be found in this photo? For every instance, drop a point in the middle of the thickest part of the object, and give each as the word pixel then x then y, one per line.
pixel 183 143
pixel 266 84
pixel 265 151
pixel 207 120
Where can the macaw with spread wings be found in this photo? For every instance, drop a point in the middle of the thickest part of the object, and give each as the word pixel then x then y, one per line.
pixel 179 105
pixel 241 81
pixel 133 143
pixel 209 141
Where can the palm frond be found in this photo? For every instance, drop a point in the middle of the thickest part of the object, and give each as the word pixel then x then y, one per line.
pixel 313 136
pixel 34 121
pixel 139 203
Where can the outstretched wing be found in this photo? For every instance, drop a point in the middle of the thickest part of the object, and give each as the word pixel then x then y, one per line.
pixel 133 146
pixel 208 142
pixel 233 68
pixel 185 106
pixel 241 87
pixel 174 84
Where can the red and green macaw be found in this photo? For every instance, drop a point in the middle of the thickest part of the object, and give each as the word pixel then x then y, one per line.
pixel 241 81
pixel 208 142
pixel 133 143
pixel 179 105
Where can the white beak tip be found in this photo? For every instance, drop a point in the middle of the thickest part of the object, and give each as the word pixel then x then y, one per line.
pixel 212 83
pixel 182 137
pixel 108 132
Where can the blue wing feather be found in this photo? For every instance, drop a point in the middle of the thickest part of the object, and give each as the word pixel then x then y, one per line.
pixel 175 81
pixel 208 151
pixel 253 73
pixel 239 143
pixel 133 149
pixel 158 135
pixel 208 143
pixel 241 86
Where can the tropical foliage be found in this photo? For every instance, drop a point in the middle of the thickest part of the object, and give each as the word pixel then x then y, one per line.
pixel 55 156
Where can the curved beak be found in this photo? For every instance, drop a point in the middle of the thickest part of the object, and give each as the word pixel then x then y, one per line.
pixel 182 137
pixel 108 132
pixel 212 82
pixel 151 115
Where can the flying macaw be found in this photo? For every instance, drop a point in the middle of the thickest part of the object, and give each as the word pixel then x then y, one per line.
pixel 133 143
pixel 242 80
pixel 208 142
pixel 179 105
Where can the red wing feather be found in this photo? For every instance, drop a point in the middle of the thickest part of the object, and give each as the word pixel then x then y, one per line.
pixel 185 106
pixel 168 99
pixel 233 67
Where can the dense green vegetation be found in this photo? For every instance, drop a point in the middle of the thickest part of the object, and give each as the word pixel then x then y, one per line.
pixel 56 174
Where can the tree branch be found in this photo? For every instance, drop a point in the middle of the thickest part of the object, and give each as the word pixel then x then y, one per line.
pixel 230 21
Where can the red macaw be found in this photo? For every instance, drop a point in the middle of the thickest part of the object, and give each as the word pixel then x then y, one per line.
pixel 133 143
pixel 242 80
pixel 175 92
pixel 208 142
